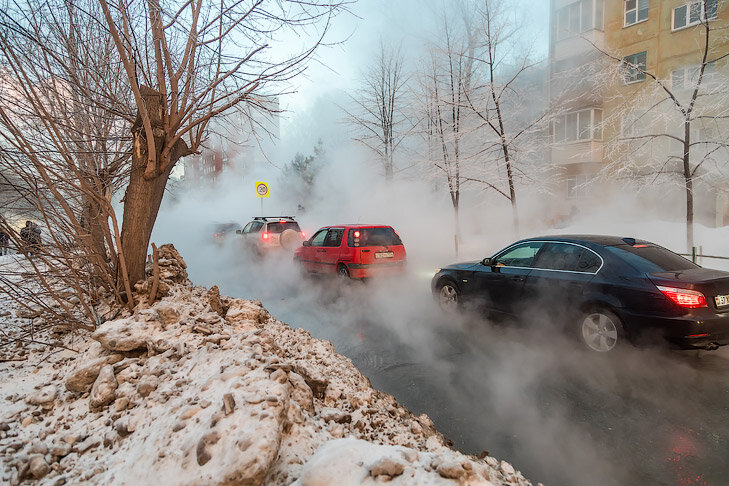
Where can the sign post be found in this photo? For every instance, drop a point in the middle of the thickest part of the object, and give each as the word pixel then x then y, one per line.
pixel 261 191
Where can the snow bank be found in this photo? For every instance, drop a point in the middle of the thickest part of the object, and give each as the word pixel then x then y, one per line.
pixel 204 389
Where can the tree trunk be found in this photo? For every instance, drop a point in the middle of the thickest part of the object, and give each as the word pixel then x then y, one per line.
pixel 455 199
pixel 92 221
pixel 144 194
pixel 389 172
pixel 505 151
pixel 512 191
pixel 688 178
pixel 141 205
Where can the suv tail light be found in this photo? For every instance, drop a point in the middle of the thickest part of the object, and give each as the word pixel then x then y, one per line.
pixel 264 236
pixel 690 299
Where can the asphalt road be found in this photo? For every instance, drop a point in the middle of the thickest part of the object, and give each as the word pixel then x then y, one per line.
pixel 530 396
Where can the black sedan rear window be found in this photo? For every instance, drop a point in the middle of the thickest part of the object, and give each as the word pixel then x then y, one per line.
pixel 373 237
pixel 651 258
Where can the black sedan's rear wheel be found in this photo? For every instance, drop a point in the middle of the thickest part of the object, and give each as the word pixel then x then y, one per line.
pixel 601 330
pixel 449 297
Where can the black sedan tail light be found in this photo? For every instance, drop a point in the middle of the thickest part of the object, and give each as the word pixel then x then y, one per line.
pixel 691 299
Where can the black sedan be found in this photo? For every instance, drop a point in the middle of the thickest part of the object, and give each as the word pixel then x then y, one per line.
pixel 606 289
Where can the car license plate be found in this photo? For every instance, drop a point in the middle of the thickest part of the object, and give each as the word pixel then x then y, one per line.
pixel 384 254
pixel 721 300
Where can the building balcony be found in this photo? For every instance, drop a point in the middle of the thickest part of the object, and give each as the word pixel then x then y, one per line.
pixel 581 152
pixel 578 45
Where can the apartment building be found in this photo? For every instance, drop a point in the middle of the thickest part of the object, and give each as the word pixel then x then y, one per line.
pixel 618 118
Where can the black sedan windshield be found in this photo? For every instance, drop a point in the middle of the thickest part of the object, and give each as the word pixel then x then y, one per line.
pixel 651 258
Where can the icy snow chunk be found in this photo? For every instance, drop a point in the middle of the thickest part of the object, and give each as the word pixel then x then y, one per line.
pixel 81 380
pixel 104 389
pixel 126 334
pixel 353 462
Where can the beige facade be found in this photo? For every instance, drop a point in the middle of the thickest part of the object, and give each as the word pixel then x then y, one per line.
pixel 660 38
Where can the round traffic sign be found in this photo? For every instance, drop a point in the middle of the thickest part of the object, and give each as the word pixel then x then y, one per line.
pixel 262 189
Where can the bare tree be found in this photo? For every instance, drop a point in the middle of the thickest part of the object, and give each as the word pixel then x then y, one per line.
pixel 95 98
pixel 479 129
pixel 381 116
pixel 499 98
pixel 445 89
pixel 675 127
pixel 65 148
pixel 187 64
pixel 182 64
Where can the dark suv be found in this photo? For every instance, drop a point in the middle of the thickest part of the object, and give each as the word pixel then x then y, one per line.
pixel 221 231
pixel 267 233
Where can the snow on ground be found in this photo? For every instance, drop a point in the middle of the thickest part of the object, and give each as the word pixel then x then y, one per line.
pixel 204 389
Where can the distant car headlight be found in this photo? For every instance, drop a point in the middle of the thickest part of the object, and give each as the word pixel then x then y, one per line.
pixel 437 270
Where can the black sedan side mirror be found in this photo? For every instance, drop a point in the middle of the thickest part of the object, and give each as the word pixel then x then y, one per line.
pixel 238 232
pixel 488 262
pixel 306 243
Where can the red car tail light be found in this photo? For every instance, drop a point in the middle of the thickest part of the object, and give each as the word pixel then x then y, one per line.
pixel 691 299
pixel 264 236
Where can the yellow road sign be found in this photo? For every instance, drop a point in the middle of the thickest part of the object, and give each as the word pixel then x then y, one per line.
pixel 262 189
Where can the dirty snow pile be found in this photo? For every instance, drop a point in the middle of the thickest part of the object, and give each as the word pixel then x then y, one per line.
pixel 203 389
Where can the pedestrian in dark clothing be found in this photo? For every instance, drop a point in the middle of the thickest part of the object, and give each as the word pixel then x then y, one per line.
pixel 4 242
pixel 36 234
pixel 31 236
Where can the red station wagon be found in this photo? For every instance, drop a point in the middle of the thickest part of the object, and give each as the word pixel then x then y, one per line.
pixel 356 251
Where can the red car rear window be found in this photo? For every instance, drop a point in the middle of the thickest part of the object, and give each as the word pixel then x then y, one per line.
pixel 384 236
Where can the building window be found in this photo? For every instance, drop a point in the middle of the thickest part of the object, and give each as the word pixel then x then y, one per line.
pixel 598 14
pixel 578 126
pixel 687 77
pixel 575 183
pixel 706 134
pixel 634 67
pixel 597 124
pixel 693 13
pixel 579 17
pixel 631 125
pixel 635 11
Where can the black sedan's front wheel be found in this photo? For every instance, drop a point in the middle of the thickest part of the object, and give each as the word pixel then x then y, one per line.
pixel 601 330
pixel 449 297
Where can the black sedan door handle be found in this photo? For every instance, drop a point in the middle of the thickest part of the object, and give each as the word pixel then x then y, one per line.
pixel 518 278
